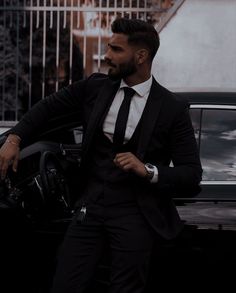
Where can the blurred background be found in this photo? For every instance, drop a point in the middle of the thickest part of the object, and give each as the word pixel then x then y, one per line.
pixel 47 44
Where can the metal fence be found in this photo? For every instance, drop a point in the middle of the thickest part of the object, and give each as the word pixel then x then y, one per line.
pixel 46 44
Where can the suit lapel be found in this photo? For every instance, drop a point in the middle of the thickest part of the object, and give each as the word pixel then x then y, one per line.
pixel 149 118
pixel 103 102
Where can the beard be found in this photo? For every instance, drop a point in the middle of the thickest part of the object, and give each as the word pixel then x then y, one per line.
pixel 122 70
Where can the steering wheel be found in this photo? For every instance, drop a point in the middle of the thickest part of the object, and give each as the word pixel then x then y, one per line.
pixel 54 185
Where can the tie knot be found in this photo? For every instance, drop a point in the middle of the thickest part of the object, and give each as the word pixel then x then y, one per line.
pixel 129 92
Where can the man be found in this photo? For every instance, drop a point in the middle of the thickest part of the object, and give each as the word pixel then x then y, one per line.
pixel 126 198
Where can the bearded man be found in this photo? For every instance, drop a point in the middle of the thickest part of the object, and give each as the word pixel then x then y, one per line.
pixel 132 129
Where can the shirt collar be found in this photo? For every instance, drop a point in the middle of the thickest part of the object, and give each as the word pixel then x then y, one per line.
pixel 141 89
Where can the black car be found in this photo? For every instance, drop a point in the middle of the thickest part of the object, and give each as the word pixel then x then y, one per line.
pixel 214 121
pixel 36 203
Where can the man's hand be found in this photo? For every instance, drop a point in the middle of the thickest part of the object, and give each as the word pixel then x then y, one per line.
pixel 129 162
pixel 9 154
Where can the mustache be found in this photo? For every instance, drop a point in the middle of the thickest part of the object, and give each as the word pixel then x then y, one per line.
pixel 108 62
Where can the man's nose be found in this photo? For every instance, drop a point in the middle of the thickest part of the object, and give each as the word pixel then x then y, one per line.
pixel 107 55
pixel 106 58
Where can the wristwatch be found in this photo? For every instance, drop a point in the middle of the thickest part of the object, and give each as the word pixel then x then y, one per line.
pixel 150 170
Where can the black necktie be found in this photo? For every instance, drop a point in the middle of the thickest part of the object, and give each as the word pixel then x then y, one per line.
pixel 122 117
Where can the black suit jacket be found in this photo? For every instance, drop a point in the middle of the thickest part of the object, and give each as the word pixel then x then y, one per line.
pixel 166 135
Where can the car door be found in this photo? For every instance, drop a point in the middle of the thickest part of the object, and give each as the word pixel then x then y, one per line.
pixel 215 131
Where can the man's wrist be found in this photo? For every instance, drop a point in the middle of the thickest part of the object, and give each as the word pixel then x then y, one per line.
pixel 13 139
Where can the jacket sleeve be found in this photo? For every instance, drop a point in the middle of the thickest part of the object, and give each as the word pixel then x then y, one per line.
pixel 65 101
pixel 184 176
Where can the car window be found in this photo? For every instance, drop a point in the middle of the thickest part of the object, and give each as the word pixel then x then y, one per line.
pixel 217 133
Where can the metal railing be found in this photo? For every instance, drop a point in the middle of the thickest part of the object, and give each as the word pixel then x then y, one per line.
pixel 46 44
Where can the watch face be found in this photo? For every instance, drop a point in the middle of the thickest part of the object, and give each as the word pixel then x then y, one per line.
pixel 149 166
pixel 150 170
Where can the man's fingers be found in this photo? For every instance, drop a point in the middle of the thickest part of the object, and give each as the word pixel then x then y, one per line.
pixel 4 167
pixel 123 156
pixel 122 159
pixel 125 161
pixel 129 162
pixel 15 164
pixel 9 155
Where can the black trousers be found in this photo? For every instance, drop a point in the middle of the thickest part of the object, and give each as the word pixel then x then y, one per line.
pixel 130 241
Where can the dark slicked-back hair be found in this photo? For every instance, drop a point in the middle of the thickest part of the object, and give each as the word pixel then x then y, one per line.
pixel 139 32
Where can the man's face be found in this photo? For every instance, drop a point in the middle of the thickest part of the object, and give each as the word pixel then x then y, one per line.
pixel 120 57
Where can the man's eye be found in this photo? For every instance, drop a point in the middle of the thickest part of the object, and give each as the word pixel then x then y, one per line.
pixel 117 49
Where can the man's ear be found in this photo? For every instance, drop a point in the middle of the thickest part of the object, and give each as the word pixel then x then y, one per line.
pixel 141 56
